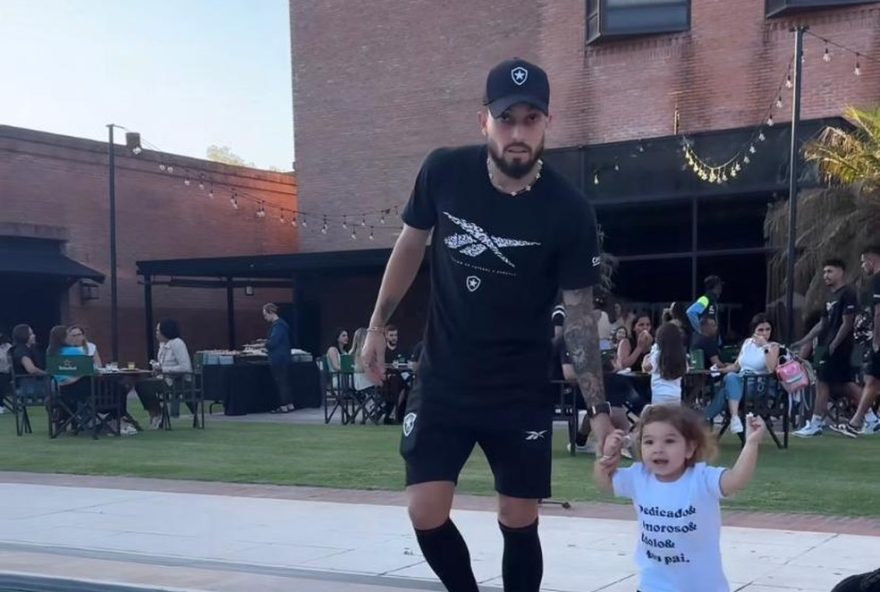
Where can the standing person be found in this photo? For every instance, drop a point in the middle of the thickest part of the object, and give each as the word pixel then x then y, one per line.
pixel 676 495
pixel 278 350
pixel 867 332
pixel 834 333
pixel 667 364
pixel 507 234
pixel 707 304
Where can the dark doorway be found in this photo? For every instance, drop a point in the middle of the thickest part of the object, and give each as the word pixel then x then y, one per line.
pixel 33 300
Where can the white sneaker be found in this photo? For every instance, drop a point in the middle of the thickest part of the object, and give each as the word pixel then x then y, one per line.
pixel 809 430
pixel 127 430
pixel 736 425
pixel 588 448
pixel 871 428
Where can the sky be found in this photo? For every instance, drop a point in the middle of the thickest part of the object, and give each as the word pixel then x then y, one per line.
pixel 186 74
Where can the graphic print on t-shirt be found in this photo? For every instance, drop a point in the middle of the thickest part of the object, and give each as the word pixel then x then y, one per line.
pixel 476 241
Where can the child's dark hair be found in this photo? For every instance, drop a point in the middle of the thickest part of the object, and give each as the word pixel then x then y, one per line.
pixel 673 361
pixel 689 423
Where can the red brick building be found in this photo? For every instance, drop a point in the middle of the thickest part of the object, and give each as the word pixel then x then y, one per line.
pixel 379 84
pixel 54 201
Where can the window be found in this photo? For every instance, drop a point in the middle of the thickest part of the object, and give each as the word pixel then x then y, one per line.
pixel 610 19
pixel 786 7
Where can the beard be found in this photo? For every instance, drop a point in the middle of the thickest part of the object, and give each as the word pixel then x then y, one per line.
pixel 518 167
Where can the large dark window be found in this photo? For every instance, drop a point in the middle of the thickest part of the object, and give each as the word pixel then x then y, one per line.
pixel 784 7
pixel 610 19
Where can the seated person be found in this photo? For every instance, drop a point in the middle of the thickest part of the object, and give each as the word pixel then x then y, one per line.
pixel 618 391
pixel 758 355
pixel 23 360
pixel 361 382
pixel 173 359
pixel 335 351
pixel 631 351
pixel 76 337
pixel 667 364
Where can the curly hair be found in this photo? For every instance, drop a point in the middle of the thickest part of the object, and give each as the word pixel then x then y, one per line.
pixel 688 423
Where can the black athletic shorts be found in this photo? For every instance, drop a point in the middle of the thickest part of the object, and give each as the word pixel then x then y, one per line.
pixel 871 366
pixel 836 368
pixel 436 445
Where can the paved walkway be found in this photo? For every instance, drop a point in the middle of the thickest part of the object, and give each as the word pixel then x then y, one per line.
pixel 220 537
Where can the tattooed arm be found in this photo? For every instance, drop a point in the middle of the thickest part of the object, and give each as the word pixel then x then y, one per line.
pixel 582 342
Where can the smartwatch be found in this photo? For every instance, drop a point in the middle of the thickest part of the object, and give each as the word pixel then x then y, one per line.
pixel 598 409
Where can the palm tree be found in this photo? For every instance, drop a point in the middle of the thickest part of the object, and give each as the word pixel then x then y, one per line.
pixel 837 221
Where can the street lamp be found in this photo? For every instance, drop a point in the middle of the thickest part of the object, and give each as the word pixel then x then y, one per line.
pixel 133 141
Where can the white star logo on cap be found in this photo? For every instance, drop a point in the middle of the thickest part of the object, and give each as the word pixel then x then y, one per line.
pixel 519 75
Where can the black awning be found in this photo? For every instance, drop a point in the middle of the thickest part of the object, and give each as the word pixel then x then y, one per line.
pixel 46 263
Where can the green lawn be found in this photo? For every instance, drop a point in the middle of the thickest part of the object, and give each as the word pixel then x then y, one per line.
pixel 829 475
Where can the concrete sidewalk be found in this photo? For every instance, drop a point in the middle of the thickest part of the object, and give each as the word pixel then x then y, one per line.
pixel 199 541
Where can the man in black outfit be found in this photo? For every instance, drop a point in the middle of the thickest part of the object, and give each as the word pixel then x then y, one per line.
pixel 835 345
pixel 507 234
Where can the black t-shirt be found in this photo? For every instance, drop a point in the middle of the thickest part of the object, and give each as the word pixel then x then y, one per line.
pixel 863 330
pixel 840 303
pixel 709 345
pixel 17 353
pixel 392 355
pixel 497 264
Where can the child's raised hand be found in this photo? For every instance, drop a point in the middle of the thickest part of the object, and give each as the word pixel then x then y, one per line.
pixel 755 428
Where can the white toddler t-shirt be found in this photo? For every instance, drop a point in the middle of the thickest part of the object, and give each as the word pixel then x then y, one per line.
pixel 679 547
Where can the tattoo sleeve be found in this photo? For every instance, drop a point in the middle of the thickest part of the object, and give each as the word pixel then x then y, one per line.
pixel 582 342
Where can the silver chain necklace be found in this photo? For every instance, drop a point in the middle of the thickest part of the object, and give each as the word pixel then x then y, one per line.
pixel 525 189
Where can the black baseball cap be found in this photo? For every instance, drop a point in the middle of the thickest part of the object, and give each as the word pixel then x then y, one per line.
pixel 516 81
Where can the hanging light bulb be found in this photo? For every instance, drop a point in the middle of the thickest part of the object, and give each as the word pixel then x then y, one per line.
pixel 770 121
pixel 779 102
pixel 211 192
pixel 746 160
pixel 382 219
pixel 371 234
pixel 858 69
pixel 752 149
pixel 293 221
pixel 354 234
pixel 234 201
pixel 364 221
pixel 201 186
pixel 162 167
pixel 788 82
pixel 827 56
pixel 170 169
pixel 616 166
pixel 305 223
pixel 712 177
pixel 186 181
pixel 724 176
pixel 344 222
pixel 733 172
pixel 761 136
pixel 595 178
pixel 324 227
pixel 737 168
pixel 281 219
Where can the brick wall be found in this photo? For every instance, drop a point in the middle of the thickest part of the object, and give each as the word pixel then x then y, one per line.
pixel 378 84
pixel 58 181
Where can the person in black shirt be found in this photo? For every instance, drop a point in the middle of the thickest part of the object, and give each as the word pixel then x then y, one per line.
pixel 834 335
pixel 24 360
pixel 867 332
pixel 507 233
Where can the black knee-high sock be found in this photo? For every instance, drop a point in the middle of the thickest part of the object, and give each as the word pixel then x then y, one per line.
pixel 447 554
pixel 523 564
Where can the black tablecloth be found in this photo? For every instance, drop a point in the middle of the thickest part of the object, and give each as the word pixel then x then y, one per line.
pixel 249 388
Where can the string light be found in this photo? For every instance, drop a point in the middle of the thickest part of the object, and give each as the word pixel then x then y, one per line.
pixel 354 234
pixel 170 169
pixel 761 137
pixel 281 218
pixel 371 234
pixel 324 227
pixel 162 167
pixel 826 57
pixel 382 219
pixel 858 69
pixel 595 178
pixel 770 121
pixel 364 221
pixel 234 201
pixel 788 82
pixel 305 222
pixel 186 181
pixel 779 102
pixel 344 222
pixel 293 220
pixel 261 213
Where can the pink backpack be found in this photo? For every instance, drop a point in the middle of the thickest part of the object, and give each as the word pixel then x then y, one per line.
pixel 792 377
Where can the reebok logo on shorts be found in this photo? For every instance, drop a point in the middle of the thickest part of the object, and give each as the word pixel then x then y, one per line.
pixel 531 435
pixel 408 422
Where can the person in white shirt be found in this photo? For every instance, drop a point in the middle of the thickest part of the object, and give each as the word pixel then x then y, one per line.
pixel 76 336
pixel 758 355
pixel 667 363
pixel 172 361
pixel 676 496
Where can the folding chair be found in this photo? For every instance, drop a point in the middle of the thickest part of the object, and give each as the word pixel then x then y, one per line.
pixel 566 410
pixel 185 387
pixel 767 399
pixel 79 414
pixel 29 391
pixel 330 392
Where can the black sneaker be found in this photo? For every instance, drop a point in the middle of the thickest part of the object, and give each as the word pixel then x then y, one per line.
pixel 846 429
